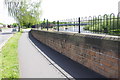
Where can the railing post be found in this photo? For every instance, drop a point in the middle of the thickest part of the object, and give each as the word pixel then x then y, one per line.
pixel 47 24
pixel 79 24
pixel 58 25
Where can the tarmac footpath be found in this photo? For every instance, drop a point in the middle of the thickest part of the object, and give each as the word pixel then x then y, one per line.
pixel 32 63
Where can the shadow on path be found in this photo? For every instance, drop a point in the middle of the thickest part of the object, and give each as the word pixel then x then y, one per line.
pixel 75 69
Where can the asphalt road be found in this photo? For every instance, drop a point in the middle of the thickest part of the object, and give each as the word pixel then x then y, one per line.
pixel 5 34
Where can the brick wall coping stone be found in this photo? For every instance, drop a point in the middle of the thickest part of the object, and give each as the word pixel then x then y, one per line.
pixel 98 36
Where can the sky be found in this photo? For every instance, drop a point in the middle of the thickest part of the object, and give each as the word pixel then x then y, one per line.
pixel 63 9
pixel 4 18
pixel 66 9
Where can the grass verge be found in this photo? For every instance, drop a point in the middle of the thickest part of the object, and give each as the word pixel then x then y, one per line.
pixel 9 67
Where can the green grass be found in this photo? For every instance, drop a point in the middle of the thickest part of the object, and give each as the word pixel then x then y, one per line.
pixel 9 67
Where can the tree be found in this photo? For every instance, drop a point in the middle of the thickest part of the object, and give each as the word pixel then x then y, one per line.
pixel 14 24
pixel 25 12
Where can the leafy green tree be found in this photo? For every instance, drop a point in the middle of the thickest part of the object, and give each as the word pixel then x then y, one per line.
pixel 15 24
pixel 25 12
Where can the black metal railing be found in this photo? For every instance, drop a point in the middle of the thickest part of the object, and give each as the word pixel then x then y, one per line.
pixel 106 24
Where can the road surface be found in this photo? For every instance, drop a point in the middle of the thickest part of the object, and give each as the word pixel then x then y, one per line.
pixel 4 35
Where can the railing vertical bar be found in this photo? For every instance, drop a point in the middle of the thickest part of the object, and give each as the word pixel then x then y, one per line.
pixel 79 24
pixel 93 25
pixel 58 25
pixel 47 25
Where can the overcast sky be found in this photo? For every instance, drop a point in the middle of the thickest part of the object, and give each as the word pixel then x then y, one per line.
pixel 4 18
pixel 63 9
pixel 60 9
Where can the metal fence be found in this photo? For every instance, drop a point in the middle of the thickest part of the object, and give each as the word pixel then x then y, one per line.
pixel 106 24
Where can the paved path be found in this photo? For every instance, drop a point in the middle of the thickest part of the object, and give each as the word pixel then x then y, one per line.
pixel 34 65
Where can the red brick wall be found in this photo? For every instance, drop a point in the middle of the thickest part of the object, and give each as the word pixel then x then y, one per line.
pixel 98 53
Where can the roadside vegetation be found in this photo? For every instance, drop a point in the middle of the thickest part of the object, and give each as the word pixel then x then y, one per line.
pixel 9 67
